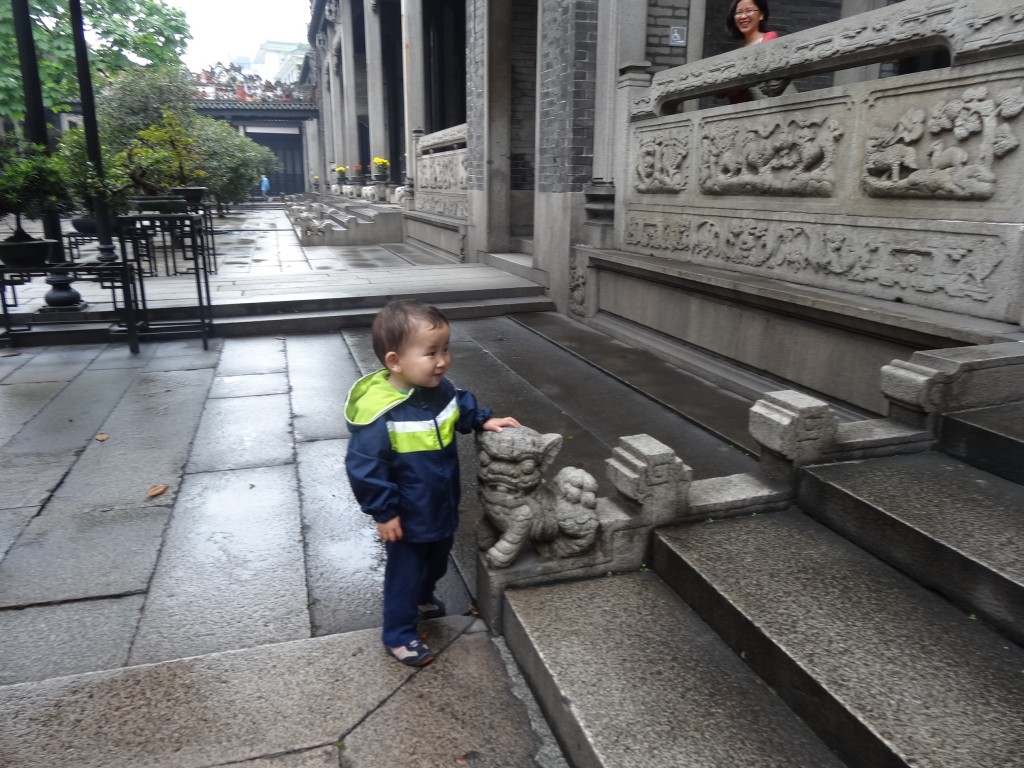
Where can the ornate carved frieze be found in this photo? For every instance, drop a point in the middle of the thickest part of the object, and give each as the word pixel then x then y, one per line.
pixel 659 163
pixel 781 154
pixel 577 284
pixel 957 271
pixel 665 233
pixel 456 206
pixel 445 171
pixel 946 152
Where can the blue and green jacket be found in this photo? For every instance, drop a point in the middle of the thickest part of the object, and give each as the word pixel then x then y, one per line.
pixel 402 458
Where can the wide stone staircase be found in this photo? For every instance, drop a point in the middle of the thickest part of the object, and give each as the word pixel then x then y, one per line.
pixel 877 621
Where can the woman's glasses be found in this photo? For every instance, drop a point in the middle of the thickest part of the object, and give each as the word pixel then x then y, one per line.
pixel 746 12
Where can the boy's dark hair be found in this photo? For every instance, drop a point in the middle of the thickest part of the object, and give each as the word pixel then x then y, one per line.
pixel 393 323
pixel 730 18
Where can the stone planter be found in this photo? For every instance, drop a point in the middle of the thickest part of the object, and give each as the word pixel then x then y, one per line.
pixel 28 253
pixel 193 195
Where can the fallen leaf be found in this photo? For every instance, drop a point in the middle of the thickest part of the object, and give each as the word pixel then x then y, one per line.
pixel 101 437
pixel 156 490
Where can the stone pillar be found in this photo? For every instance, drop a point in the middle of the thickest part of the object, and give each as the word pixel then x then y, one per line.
pixel 415 79
pixel 696 23
pixel 350 117
pixel 336 146
pixel 375 82
pixel 633 78
pixel 622 35
pixel 490 208
pixel 328 109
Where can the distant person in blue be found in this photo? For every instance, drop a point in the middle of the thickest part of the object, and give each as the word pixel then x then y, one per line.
pixel 403 464
pixel 265 188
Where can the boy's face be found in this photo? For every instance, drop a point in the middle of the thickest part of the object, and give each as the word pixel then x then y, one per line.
pixel 422 359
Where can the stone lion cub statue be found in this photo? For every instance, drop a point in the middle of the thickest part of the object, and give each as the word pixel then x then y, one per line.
pixel 559 517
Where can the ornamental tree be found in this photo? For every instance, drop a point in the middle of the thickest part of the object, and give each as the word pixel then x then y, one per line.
pixel 121 34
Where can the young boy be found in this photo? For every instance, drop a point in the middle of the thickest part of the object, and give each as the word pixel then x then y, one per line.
pixel 403 464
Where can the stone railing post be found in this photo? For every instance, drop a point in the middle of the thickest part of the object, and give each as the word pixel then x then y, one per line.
pixel 648 472
pixel 943 380
pixel 793 429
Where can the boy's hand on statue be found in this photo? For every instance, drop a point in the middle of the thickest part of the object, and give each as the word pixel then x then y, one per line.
pixel 391 530
pixel 498 423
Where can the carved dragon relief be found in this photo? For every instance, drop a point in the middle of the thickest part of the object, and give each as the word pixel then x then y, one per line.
pixel 965 136
pixel 904 265
pixel 793 156
pixel 953 264
pixel 659 163
pixel 577 285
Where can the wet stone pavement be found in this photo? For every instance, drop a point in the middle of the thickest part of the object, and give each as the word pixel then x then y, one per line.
pixel 233 618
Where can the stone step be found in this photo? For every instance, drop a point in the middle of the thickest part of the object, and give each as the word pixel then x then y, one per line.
pixel 628 675
pixel 953 528
pixel 519 264
pixel 988 438
pixel 886 672
pixel 329 321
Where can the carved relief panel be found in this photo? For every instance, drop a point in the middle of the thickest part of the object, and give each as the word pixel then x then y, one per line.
pixel 779 154
pixel 967 272
pixel 948 150
pixel 441 184
pixel 659 165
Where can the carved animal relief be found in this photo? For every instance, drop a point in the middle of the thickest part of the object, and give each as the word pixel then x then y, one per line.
pixel 947 153
pixel 793 156
pixel 558 516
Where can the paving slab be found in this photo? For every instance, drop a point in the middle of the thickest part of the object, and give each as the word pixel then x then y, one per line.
pixel 243 432
pixel 149 435
pixel 12 523
pixel 321 371
pixel 58 364
pixel 250 385
pixel 206 711
pixel 262 354
pixel 28 480
pixel 67 639
pixel 73 416
pixel 458 711
pixel 231 571
pixel 19 403
pixel 70 556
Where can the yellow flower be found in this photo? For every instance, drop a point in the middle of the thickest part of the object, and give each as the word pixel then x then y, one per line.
pixel 341 168
pixel 381 163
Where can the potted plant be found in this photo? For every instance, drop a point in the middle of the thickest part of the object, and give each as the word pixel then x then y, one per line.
pixel 381 169
pixel 86 185
pixel 340 170
pixel 31 186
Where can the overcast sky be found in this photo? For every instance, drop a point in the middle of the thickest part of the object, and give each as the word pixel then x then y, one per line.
pixel 225 29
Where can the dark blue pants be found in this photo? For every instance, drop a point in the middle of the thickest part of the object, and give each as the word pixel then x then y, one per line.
pixel 410 575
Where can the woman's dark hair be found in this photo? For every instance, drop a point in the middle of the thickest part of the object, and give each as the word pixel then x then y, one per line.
pixel 730 18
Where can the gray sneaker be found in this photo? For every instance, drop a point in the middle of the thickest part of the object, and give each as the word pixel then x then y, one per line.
pixel 412 654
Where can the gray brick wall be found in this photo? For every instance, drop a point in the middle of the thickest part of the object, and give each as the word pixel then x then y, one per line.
pixel 524 94
pixel 662 15
pixel 566 99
